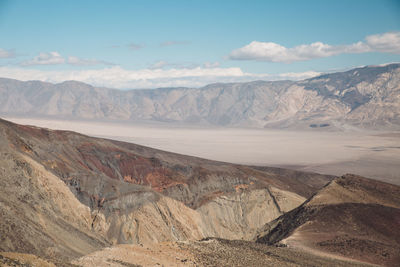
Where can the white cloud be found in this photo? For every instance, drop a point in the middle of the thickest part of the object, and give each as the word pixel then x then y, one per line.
pixel 273 52
pixel 298 75
pixel 117 77
pixel 159 64
pixel 4 53
pixel 183 65
pixel 51 58
pixel 54 58
pixel 387 42
pixel 80 62
pixel 211 64
pixel 85 62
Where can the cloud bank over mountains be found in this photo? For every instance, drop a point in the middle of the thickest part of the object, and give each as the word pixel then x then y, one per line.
pixel 118 77
pixel 158 74
pixel 273 52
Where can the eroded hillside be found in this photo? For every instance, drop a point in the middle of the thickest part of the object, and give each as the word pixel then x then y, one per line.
pixel 351 217
pixel 74 199
pixel 64 194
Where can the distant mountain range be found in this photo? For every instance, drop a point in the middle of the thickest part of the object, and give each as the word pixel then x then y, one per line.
pixel 367 97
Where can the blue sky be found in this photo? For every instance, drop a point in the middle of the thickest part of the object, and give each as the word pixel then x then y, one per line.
pixel 146 44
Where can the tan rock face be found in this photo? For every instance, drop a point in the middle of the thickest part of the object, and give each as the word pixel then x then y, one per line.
pixel 234 216
pixel 40 214
pixel 240 215
pixel 163 220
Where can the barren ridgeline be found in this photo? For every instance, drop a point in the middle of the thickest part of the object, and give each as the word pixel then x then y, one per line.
pixel 372 154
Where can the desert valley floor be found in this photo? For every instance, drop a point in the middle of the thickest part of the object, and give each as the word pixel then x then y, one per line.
pixel 371 154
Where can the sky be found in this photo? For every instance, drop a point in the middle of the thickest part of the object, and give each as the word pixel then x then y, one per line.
pixel 151 44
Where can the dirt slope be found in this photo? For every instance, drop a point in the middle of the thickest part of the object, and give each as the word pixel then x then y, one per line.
pixel 352 217
pixel 208 252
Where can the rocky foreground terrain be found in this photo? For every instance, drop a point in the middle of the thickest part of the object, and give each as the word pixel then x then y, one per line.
pixel 352 217
pixel 365 97
pixel 67 199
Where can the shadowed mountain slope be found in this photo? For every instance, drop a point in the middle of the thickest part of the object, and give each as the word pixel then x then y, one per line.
pixel 353 217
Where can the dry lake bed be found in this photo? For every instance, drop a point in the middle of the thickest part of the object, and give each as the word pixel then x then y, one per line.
pixel 371 154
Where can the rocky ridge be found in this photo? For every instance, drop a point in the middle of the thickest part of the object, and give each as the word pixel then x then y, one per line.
pixel 366 97
pixel 351 217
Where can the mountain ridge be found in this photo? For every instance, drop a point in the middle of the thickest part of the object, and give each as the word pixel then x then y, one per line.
pixel 364 97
